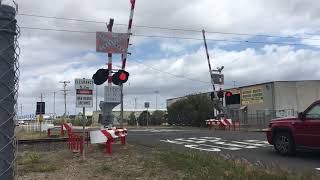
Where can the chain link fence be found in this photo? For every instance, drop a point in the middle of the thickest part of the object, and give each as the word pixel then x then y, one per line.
pixel 9 73
pixel 261 118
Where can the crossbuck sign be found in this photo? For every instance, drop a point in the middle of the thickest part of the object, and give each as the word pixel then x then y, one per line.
pixel 84 93
pixel 109 42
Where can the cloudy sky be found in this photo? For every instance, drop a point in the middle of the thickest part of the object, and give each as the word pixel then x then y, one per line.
pixel 173 66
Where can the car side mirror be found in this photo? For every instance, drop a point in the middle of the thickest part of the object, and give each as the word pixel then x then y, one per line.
pixel 301 116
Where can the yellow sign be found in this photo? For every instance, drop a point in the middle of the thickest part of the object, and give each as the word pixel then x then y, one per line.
pixel 252 95
pixel 40 118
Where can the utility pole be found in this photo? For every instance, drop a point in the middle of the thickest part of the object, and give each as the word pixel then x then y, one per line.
pixel 135 108
pixel 157 92
pixel 41 97
pixel 54 104
pixel 65 97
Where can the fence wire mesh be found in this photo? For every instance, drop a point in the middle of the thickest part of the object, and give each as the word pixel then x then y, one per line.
pixel 9 76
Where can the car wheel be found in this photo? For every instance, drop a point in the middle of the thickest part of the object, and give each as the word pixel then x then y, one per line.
pixel 284 144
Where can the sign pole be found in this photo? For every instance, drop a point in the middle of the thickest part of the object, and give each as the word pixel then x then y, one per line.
pixel 83 132
pixel 147 118
pixel 121 102
pixel 84 98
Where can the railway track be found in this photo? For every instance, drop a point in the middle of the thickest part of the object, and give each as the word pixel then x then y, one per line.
pixel 44 140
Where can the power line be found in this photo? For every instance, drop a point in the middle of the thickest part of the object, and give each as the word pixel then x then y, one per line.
pixel 171 74
pixel 169 28
pixel 173 37
pixel 175 75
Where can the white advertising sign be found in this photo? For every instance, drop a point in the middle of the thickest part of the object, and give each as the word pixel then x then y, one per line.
pixel 112 94
pixel 84 93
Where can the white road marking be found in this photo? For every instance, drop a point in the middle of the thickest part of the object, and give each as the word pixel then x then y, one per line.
pixel 155 130
pixel 258 141
pixel 211 138
pixel 217 144
pixel 190 140
pixel 251 144
pixel 173 142
pixel 228 148
pixel 202 149
pixel 318 169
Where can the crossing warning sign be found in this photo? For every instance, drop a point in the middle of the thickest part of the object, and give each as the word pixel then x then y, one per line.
pixel 84 93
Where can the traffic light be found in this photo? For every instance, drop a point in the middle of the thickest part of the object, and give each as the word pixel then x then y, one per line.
pixel 120 77
pixel 100 76
pixel 220 94
pixel 228 94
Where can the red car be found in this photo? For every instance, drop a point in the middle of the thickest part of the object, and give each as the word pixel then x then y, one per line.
pixel 288 134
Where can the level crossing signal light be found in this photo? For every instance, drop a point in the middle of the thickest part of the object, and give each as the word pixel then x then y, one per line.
pixel 100 76
pixel 120 77
pixel 220 94
pixel 228 94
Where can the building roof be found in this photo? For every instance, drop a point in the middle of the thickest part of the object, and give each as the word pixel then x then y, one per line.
pixel 268 82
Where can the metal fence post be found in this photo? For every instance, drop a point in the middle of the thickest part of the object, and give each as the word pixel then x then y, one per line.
pixel 9 73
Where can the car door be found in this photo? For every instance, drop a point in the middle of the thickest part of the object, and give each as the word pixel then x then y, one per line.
pixel 309 128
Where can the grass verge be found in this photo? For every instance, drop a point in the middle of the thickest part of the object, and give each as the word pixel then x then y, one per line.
pixel 200 165
pixel 32 162
pixel 135 161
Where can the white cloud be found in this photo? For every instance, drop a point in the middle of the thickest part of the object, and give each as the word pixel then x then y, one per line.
pixel 48 57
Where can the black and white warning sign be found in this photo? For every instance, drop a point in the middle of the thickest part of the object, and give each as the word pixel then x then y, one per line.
pixel 84 93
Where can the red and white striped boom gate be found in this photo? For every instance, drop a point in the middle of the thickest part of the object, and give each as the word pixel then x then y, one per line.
pixel 108 136
pixel 223 124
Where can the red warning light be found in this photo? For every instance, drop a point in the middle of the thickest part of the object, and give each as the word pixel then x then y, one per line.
pixel 123 76
pixel 228 94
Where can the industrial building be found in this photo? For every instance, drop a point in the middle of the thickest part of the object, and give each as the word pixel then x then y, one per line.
pixel 258 103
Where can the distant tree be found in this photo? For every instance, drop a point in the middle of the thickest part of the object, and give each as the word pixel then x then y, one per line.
pixel 132 119
pixel 191 111
pixel 157 118
pixel 143 118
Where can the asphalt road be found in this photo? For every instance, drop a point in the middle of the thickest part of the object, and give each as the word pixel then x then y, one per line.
pixel 251 146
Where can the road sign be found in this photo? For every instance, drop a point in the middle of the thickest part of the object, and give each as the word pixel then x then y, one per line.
pixel 84 93
pixel 218 79
pixel 112 94
pixel 41 106
pixel 146 105
pixel 40 118
pixel 109 42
